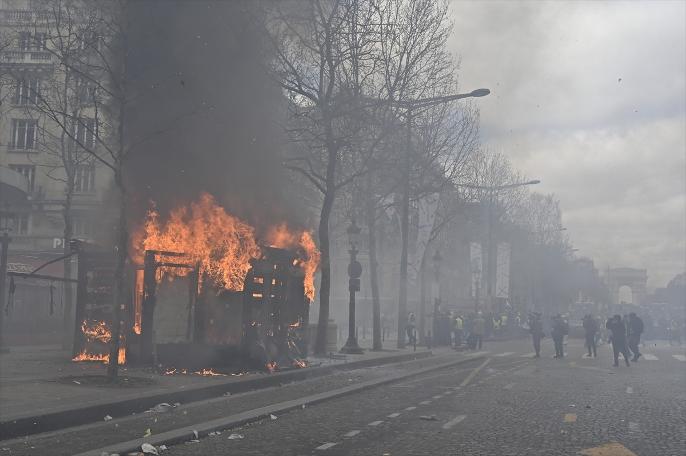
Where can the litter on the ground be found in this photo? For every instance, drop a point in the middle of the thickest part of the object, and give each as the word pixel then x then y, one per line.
pixel 149 449
pixel 213 433
pixel 148 433
pixel 235 436
pixel 107 418
pixel 161 408
pixel 78 383
pixel 163 448
pixel 273 417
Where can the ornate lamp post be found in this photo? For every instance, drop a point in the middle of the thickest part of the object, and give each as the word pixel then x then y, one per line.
pixel 354 273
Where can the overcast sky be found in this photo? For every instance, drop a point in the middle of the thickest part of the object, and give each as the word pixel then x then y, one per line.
pixel 590 98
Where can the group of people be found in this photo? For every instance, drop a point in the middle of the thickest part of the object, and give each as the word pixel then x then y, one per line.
pixel 625 335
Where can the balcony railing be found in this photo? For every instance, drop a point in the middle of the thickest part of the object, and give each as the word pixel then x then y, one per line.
pixel 26 57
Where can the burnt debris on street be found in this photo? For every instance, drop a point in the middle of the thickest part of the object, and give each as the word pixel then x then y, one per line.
pixel 344 227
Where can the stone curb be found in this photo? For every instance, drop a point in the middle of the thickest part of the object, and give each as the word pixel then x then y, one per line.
pixel 186 433
pixel 51 421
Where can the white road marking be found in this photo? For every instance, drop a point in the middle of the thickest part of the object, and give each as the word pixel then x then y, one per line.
pixel 469 378
pixel 649 356
pixel 504 354
pixel 508 386
pixel 437 396
pixel 454 421
pixel 528 355
pixel 679 357
pixel 375 423
pixel 425 403
pixel 629 390
pixel 410 408
pixel 393 415
pixel 326 446
pixel 352 433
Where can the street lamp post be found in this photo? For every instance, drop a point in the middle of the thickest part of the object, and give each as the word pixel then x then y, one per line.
pixel 354 273
pixel 410 106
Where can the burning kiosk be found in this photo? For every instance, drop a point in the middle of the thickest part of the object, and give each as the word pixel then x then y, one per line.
pixel 207 294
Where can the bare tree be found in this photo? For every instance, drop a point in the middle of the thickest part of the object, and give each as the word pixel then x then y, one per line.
pixel 325 62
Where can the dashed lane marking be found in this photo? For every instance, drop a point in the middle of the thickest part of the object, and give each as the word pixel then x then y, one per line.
pixel 438 396
pixel 501 355
pixel 375 423
pixel 352 433
pixel 393 415
pixel 425 403
pixel 649 356
pixel 454 421
pixel 569 418
pixel 608 449
pixel 469 378
pixel 679 357
pixel 326 446
pixel 410 408
pixel 629 390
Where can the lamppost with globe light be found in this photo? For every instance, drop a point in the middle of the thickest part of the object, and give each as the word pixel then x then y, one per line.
pixel 354 273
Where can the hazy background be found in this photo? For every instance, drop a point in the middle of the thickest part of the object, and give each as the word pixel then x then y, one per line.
pixel 590 98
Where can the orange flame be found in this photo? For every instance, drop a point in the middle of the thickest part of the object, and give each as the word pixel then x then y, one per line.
pixel 98 331
pixel 209 373
pixel 222 244
pixel 272 366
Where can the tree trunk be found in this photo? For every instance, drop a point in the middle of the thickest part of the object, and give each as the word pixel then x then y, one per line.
pixel 373 276
pixel 422 300
pixel 68 318
pixel 118 300
pixel 404 229
pixel 325 268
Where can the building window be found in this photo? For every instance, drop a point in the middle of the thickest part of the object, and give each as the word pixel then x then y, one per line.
pixel 84 179
pixel 32 42
pixel 82 227
pixel 84 90
pixel 17 223
pixel 26 91
pixel 24 133
pixel 28 171
pixel 84 133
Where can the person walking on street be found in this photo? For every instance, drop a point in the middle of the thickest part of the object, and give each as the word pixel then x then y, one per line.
pixel 458 328
pixel 536 330
pixel 635 331
pixel 558 334
pixel 478 329
pixel 618 337
pixel 591 328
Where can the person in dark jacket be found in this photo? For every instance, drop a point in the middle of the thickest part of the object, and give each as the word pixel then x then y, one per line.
pixel 591 328
pixel 536 330
pixel 560 329
pixel 635 331
pixel 618 329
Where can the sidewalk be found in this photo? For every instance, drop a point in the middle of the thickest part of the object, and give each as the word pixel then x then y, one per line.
pixel 41 389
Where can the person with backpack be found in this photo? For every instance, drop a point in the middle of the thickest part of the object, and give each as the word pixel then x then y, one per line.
pixel 591 328
pixel 536 330
pixel 635 331
pixel 560 329
pixel 618 338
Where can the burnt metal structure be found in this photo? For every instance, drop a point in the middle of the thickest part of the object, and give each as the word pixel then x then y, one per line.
pixel 275 309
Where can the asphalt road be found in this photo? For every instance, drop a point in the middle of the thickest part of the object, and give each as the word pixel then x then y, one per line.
pixel 507 404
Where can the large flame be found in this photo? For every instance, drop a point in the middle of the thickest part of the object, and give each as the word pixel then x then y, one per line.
pixel 220 243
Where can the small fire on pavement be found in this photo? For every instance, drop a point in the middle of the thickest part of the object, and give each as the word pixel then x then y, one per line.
pixel 97 337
